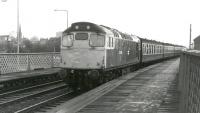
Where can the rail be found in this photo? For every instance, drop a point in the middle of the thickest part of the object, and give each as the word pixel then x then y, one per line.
pixel 13 62
pixel 189 82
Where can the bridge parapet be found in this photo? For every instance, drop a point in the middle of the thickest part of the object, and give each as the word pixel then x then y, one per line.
pixel 13 62
pixel 189 82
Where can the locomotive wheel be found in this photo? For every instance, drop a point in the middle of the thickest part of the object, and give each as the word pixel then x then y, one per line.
pixel 94 78
pixel 72 81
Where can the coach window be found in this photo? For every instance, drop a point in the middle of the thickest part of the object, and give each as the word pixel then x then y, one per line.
pixel 67 40
pixel 109 44
pixel 112 42
pixel 156 49
pixel 97 40
pixel 143 48
pixel 147 49
pixel 150 49
pixel 159 49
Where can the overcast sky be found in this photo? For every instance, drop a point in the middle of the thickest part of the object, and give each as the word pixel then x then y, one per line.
pixel 162 20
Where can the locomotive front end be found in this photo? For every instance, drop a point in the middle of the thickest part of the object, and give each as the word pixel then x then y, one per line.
pixel 82 51
pixel 82 54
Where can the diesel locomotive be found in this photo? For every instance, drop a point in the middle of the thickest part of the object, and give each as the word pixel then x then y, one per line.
pixel 92 54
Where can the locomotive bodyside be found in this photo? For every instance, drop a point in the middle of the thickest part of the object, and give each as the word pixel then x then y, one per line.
pixel 121 51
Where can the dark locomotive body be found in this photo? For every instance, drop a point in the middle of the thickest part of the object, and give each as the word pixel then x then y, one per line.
pixel 92 54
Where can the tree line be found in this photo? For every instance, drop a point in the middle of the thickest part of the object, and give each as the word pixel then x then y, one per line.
pixel 28 46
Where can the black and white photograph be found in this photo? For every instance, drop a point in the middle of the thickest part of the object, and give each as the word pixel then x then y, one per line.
pixel 99 56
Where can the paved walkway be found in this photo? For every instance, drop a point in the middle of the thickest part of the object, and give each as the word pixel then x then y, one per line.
pixel 142 94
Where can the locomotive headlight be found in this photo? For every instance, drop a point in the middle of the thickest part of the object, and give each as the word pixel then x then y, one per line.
pixel 76 27
pixel 88 27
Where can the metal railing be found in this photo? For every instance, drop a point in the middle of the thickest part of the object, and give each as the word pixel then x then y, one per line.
pixel 189 82
pixel 12 62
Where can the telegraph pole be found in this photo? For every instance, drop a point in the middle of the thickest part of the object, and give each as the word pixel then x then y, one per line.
pixel 18 25
pixel 190 36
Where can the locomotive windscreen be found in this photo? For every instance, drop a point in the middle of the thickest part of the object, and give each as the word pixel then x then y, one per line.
pixel 81 36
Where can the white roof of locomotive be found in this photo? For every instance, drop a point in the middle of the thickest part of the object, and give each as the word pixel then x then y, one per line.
pixel 135 38
pixel 109 31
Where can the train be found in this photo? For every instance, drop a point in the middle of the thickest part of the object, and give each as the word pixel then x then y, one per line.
pixel 93 54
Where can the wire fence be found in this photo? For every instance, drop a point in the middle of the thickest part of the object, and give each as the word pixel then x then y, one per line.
pixel 189 82
pixel 12 62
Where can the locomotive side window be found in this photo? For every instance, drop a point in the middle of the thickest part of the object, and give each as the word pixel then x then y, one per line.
pixel 109 42
pixel 81 36
pixel 97 40
pixel 67 40
pixel 112 42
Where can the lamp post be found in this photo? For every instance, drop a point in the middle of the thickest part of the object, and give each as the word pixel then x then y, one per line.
pixel 18 34
pixel 64 11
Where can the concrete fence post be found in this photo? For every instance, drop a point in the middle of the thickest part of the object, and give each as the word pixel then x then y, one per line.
pixel 29 64
pixel 52 60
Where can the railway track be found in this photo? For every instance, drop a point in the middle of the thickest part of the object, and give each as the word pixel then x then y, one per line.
pixel 43 98
pixel 49 103
pixel 53 98
pixel 27 88
pixel 19 99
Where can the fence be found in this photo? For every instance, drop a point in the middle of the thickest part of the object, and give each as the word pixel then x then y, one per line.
pixel 189 82
pixel 12 62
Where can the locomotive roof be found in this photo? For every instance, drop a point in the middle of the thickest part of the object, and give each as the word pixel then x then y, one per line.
pixel 91 27
pixel 84 26
pixel 121 35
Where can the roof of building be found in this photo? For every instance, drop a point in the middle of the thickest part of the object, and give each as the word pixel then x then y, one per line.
pixel 197 38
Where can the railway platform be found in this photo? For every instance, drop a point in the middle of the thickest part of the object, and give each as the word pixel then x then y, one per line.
pixel 21 79
pixel 147 90
pixel 27 74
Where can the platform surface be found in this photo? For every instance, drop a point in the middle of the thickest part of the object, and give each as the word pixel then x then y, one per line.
pixel 142 94
pixel 26 74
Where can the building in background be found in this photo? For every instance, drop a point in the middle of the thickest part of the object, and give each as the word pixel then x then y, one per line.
pixel 35 40
pixel 197 43
pixel 58 34
pixel 43 41
pixel 4 42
